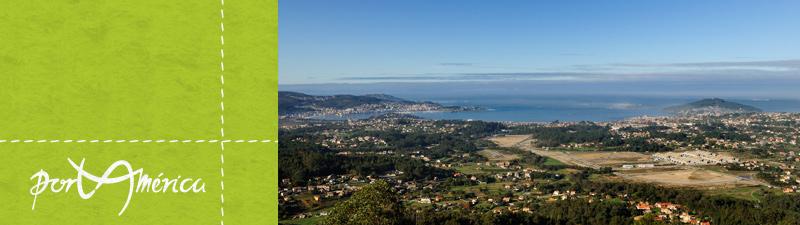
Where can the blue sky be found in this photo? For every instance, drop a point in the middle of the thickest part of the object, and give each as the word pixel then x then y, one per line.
pixel 550 41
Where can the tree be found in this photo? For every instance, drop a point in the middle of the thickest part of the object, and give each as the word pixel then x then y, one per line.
pixel 375 204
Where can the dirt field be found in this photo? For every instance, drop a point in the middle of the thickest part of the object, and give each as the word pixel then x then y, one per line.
pixel 509 140
pixel 613 158
pixel 667 176
pixel 585 159
pixel 596 159
pixel 692 177
pixel 494 155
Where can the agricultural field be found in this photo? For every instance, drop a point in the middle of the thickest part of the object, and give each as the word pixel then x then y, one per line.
pixel 689 177
pixel 667 176
pixel 750 193
pixel 597 159
pixel 495 155
pixel 508 141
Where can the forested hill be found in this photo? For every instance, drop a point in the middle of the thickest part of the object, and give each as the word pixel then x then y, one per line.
pixel 712 105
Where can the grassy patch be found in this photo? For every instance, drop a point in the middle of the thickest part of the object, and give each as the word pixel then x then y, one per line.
pixel 498 155
pixel 746 193
pixel 553 162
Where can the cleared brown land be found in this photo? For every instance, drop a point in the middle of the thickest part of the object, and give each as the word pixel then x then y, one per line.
pixel 613 158
pixel 509 140
pixel 667 176
pixel 691 177
pixel 596 159
pixel 494 155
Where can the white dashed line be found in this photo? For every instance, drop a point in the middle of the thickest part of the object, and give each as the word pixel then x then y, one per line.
pixel 222 111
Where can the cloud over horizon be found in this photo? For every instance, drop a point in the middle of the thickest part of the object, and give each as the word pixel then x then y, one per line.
pixel 736 70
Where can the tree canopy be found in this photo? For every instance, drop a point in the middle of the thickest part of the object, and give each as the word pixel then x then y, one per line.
pixel 375 204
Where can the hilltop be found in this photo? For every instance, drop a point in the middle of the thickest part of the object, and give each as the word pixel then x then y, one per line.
pixel 713 106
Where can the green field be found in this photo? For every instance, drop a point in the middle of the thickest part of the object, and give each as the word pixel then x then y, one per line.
pixel 106 81
pixel 498 155
pixel 747 193
pixel 553 162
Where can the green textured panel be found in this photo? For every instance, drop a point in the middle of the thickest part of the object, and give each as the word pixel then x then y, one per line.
pixel 139 81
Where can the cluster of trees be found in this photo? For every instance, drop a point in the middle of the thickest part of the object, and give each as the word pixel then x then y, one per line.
pixel 299 161
pixel 375 204
pixel 583 132
pixel 636 144
pixel 437 145
pixel 658 131
pixel 473 129
pixel 561 212
pixel 588 132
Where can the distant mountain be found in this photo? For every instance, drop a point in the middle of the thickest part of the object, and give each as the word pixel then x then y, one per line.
pixel 296 102
pixel 386 97
pixel 713 106
pixel 304 105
